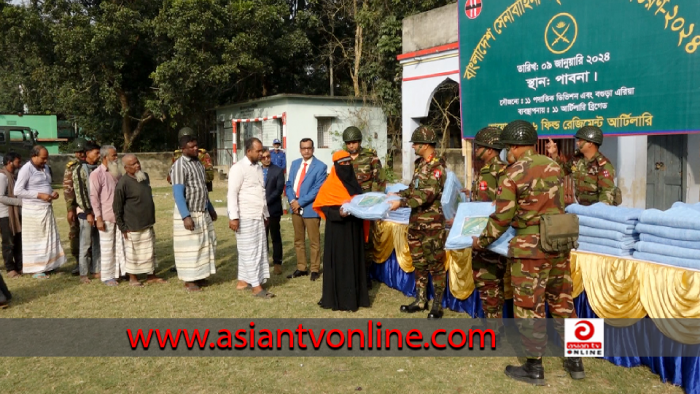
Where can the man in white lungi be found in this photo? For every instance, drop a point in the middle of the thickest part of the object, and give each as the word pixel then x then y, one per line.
pixel 41 245
pixel 103 180
pixel 194 239
pixel 248 218
pixel 135 216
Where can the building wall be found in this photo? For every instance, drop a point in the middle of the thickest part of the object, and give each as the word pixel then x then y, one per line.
pixel 430 29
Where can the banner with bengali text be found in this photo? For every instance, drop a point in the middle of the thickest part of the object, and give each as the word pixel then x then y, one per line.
pixel 630 67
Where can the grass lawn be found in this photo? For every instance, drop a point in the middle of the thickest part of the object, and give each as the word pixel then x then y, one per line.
pixel 63 296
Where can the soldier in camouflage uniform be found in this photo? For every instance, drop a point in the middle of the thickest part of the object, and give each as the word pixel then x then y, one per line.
pixel 426 228
pixel 532 187
pixel 368 170
pixel 489 268
pixel 593 173
pixel 203 157
pixel 71 204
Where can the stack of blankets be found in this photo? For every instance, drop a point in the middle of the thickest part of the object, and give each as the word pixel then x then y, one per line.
pixel 452 195
pixel 370 206
pixel 670 237
pixel 470 221
pixel 606 229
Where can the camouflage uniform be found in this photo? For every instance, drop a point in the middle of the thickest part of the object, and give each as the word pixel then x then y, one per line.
pixel 72 205
pixel 594 179
pixel 532 187
pixel 488 267
pixel 426 228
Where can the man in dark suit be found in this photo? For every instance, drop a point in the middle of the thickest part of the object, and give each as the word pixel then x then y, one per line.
pixel 306 175
pixel 273 177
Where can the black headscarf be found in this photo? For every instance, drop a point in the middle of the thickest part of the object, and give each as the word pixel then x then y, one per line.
pixel 346 174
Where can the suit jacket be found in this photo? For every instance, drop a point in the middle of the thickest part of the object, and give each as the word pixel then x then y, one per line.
pixel 273 190
pixel 316 174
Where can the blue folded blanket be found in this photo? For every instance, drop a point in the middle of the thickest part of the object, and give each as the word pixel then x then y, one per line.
pixel 395 187
pixel 668 250
pixel 500 246
pixel 586 247
pixel 451 195
pixel 370 206
pixel 668 232
pixel 668 260
pixel 679 217
pixel 608 234
pixel 606 225
pixel 670 242
pixel 470 220
pixel 401 216
pixel 607 212
pixel 627 244
pixel 679 204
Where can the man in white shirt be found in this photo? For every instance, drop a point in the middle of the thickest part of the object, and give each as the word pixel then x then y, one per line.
pixel 248 218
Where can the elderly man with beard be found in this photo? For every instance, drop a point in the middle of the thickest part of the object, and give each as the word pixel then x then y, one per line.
pixel 41 245
pixel 103 180
pixel 135 214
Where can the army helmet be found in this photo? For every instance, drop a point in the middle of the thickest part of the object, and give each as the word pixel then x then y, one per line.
pixel 489 137
pixel 352 133
pixel 424 135
pixel 519 132
pixel 186 131
pixel 79 145
pixel 591 134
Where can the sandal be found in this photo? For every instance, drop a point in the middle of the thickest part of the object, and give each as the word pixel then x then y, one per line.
pixel 84 280
pixel 192 288
pixel 40 276
pixel 111 283
pixel 264 294
pixel 136 284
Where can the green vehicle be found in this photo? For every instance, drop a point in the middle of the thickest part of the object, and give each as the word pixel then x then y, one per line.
pixel 19 139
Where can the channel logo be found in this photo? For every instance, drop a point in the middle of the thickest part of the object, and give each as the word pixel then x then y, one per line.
pixel 584 337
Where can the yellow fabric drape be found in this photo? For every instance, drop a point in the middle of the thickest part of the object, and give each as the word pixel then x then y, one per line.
pixel 389 237
pixel 459 268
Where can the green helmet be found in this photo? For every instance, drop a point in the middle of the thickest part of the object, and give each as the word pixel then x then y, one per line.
pixel 591 134
pixel 489 137
pixel 424 135
pixel 79 145
pixel 186 131
pixel 519 132
pixel 352 133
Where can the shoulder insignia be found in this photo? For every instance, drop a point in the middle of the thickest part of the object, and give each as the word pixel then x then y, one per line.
pixel 437 174
pixel 606 173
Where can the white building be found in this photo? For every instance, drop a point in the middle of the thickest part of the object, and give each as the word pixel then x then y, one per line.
pixel 291 117
pixel 651 171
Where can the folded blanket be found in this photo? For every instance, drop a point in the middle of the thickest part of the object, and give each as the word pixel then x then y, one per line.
pixel 470 220
pixel 668 250
pixel 606 224
pixel 674 261
pixel 680 217
pixel 585 247
pixel 500 246
pixel 608 234
pixel 370 206
pixel 607 212
pixel 395 187
pixel 401 216
pixel 451 195
pixel 668 232
pixel 679 204
pixel 627 244
pixel 670 242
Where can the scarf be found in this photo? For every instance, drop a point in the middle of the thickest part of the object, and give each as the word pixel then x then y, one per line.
pixel 15 218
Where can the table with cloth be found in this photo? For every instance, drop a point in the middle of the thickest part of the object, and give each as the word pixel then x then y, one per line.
pixel 604 286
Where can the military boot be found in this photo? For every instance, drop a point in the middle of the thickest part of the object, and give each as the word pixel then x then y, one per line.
pixel 436 310
pixel 420 304
pixel 531 372
pixel 574 366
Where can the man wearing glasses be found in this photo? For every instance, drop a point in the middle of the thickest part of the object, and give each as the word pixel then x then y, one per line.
pixel 273 177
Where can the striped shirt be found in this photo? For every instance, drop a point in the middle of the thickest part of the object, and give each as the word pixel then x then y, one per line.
pixel 190 172
pixel 30 182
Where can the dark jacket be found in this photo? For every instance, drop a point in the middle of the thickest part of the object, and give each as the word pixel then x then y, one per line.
pixel 273 190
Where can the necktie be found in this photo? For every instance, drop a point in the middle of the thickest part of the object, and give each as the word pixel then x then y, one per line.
pixel 301 178
pixel 265 175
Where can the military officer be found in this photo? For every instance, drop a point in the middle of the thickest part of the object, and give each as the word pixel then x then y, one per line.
pixel 531 187
pixel 593 173
pixel 368 170
pixel 489 268
pixel 203 157
pixel 426 229
pixel 71 204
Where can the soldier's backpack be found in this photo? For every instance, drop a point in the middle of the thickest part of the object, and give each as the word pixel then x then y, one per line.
pixel 559 233
pixel 617 197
